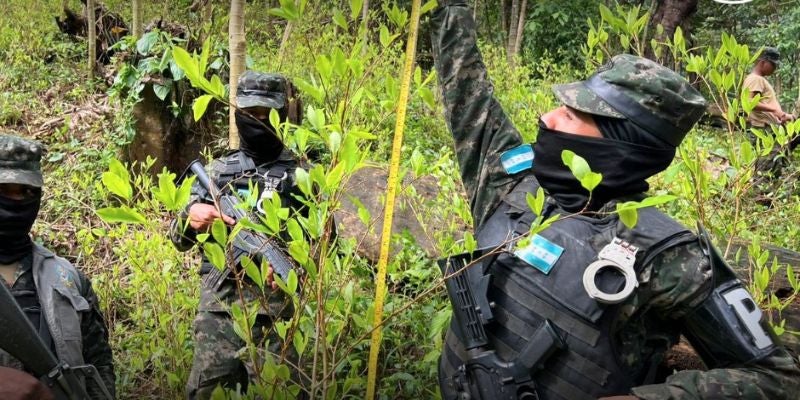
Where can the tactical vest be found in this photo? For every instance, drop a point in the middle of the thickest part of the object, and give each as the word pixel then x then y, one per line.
pixel 236 172
pixel 523 297
pixel 58 287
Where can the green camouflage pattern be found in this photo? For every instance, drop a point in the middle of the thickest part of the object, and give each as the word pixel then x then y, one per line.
pixel 94 333
pixel 20 161
pixel 217 348
pixel 671 285
pixel 659 90
pixel 261 89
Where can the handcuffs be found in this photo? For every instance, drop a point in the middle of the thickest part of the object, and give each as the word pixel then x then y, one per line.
pixel 271 184
pixel 620 256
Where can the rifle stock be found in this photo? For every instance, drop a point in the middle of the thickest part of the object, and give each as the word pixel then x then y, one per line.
pixel 250 243
pixel 19 339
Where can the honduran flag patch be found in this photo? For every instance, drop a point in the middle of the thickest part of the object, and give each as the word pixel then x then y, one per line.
pixel 517 159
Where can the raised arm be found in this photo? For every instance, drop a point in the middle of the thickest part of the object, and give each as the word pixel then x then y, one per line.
pixel 481 129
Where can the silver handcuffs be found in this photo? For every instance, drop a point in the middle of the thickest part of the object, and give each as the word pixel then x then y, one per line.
pixel 270 186
pixel 621 256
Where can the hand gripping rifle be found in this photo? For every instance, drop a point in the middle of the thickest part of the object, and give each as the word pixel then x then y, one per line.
pixel 19 339
pixel 484 375
pixel 248 243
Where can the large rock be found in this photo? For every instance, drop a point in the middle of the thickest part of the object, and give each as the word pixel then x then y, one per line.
pixel 368 185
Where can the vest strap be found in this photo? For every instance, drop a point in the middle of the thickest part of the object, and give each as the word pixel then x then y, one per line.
pixel 562 387
pixel 516 297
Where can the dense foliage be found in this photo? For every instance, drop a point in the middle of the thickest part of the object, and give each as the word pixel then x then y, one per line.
pixel 110 217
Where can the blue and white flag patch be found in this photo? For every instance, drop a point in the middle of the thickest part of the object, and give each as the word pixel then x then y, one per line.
pixel 517 159
pixel 540 253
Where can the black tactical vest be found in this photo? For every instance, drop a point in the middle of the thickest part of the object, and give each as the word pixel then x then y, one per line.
pixel 237 173
pixel 523 296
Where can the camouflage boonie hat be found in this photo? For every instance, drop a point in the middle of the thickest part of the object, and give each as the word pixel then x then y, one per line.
pixel 261 89
pixel 653 97
pixel 20 161
pixel 772 55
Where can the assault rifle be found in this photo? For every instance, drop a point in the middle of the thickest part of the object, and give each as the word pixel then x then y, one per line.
pixel 484 375
pixel 248 243
pixel 19 339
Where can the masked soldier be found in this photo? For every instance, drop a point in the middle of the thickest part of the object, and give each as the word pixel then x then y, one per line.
pixel 262 163
pixel 56 297
pixel 578 332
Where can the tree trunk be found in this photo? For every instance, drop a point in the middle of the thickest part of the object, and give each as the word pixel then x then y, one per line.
pixel 365 26
pixel 238 50
pixel 520 30
pixel 136 29
pixel 503 17
pixel 475 13
pixel 91 37
pixel 513 22
pixel 287 32
pixel 670 14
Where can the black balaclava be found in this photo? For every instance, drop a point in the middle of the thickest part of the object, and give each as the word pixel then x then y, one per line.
pixel 16 220
pixel 626 156
pixel 258 139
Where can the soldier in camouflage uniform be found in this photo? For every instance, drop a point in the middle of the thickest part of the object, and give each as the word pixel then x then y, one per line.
pixel 57 297
pixel 626 121
pixel 262 163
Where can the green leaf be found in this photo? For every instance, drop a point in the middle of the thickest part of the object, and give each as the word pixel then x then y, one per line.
pixel 339 19
pixel 576 163
pixel 628 216
pixel 166 191
pixel 217 87
pixel 428 6
pixel 252 271
pixel 316 117
pixel 303 181
pixel 295 232
pixel 124 214
pixel 200 105
pixel 117 185
pixel 274 119
pixel 591 180
pixel 536 203
pixel 580 168
pixel 186 63
pixel 177 72
pixel 355 8
pixel 145 44
pixel 291 281
pixel 161 91
pixel 215 254
pixel 119 169
pixel 384 37
pixel 790 276
pixel 219 231
pixel 417 162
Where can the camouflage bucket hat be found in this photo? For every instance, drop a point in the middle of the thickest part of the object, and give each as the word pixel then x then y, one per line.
pixel 653 97
pixel 260 89
pixel 772 55
pixel 20 161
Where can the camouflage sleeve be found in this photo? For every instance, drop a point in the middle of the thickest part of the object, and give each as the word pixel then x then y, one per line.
pixel 96 348
pixel 680 279
pixel 481 129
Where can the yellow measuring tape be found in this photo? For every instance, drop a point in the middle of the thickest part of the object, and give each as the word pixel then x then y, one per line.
pixel 394 167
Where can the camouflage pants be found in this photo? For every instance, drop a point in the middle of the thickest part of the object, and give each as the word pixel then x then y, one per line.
pixel 219 353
